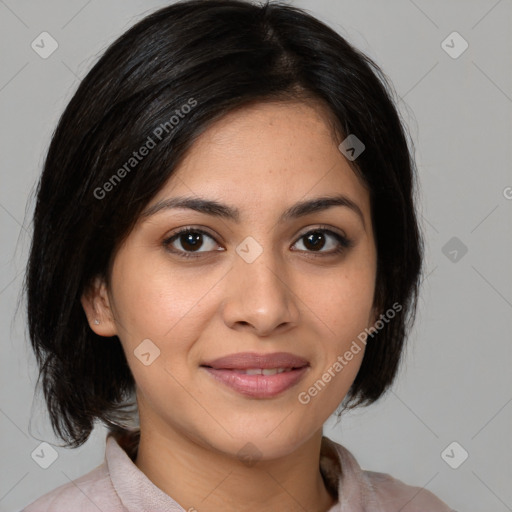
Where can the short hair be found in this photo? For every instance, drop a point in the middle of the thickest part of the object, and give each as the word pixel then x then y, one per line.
pixel 214 56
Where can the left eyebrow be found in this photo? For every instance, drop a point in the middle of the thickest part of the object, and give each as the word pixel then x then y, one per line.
pixel 318 204
pixel 216 209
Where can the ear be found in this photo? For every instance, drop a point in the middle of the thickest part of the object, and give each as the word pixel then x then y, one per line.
pixel 96 304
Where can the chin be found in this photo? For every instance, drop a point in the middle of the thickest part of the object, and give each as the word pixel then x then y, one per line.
pixel 261 444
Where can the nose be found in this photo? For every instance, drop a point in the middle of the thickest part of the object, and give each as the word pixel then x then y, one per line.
pixel 260 296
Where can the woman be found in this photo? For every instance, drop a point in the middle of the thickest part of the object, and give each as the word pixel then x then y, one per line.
pixel 224 233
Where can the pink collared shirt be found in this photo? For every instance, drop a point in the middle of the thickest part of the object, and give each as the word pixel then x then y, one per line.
pixel 118 485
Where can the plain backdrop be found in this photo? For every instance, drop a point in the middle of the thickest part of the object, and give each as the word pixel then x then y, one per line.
pixel 456 384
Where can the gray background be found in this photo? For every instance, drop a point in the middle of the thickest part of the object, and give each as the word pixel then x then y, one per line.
pixel 456 381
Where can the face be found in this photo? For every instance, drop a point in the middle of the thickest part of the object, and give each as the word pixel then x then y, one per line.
pixel 252 276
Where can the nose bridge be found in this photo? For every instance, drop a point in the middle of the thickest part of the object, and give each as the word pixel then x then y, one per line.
pixel 259 294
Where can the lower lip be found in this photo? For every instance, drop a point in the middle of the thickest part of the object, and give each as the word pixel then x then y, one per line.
pixel 258 386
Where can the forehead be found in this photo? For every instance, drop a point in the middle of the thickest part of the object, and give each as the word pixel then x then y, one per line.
pixel 271 153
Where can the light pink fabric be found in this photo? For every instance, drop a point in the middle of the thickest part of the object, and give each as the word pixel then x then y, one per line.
pixel 118 485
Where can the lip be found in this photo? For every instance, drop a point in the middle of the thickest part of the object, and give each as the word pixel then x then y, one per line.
pixel 246 360
pixel 258 386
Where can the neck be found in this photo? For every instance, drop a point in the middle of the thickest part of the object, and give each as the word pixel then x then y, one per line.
pixel 222 482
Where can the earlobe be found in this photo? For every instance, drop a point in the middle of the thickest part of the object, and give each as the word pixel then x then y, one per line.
pixel 96 305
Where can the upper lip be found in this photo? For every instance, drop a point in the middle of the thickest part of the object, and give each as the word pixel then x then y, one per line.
pixel 247 360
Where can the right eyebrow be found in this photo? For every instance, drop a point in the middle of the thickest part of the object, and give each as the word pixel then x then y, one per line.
pixel 206 206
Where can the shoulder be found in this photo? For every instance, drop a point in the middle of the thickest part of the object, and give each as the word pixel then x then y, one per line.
pixel 393 494
pixel 89 493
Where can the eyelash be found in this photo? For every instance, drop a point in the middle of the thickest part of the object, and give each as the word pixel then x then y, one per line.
pixel 343 242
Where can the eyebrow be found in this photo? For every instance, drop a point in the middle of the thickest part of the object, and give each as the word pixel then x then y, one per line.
pixel 216 209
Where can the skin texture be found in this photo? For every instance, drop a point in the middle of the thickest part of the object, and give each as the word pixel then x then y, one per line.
pixel 293 298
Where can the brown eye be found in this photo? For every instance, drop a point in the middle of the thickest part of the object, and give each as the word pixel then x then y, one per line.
pixel 191 241
pixel 315 240
pixel 318 239
pixel 188 241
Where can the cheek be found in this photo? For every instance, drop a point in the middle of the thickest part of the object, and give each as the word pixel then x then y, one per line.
pixel 152 300
pixel 343 302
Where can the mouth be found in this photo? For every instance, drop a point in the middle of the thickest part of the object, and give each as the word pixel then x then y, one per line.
pixel 260 371
pixel 258 375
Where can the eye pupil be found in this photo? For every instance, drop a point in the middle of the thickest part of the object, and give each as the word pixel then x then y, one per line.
pixel 192 240
pixel 316 240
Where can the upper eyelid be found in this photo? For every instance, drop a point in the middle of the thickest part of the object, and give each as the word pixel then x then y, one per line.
pixel 193 229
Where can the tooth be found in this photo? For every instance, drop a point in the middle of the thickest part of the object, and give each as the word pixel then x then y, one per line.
pixel 266 371
pixel 253 371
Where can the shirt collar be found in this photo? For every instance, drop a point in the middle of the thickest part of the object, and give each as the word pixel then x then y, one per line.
pixel 133 487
